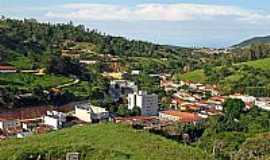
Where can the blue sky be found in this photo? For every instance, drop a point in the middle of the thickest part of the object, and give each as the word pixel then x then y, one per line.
pixel 211 23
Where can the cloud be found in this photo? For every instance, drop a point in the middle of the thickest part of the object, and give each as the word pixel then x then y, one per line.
pixel 153 12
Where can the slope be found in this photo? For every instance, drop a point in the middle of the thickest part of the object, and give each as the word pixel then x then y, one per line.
pixel 254 40
pixel 199 76
pixel 102 141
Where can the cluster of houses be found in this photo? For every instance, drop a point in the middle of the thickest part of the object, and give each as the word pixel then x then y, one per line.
pixel 191 103
pixel 22 124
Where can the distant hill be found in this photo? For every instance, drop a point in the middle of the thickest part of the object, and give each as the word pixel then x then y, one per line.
pixel 101 141
pixel 199 76
pixel 254 40
pixel 34 40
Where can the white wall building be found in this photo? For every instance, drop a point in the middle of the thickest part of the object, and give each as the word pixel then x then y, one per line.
pixel 148 103
pixel 7 123
pixel 246 99
pixel 55 119
pixel 263 103
pixel 89 113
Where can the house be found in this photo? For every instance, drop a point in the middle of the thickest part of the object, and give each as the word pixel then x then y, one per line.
pixel 54 119
pixel 263 103
pixel 218 100
pixel 8 123
pixel 248 100
pixel 89 113
pixel 148 103
pixel 88 62
pixel 135 72
pixel 183 117
pixel 24 134
pixel 7 69
pixel 30 124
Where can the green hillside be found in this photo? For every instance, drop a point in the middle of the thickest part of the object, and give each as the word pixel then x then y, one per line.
pixel 254 40
pixel 199 76
pixel 100 142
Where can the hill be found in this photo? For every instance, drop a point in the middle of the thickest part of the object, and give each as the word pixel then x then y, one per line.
pixel 247 77
pixel 199 76
pixel 102 141
pixel 255 40
pixel 30 42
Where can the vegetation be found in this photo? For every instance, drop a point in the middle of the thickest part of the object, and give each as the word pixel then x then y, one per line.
pixel 248 77
pixel 28 81
pixel 103 141
pixel 230 136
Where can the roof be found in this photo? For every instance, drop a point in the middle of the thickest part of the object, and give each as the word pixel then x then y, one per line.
pixel 135 118
pixel 184 117
pixel 218 98
pixel 6 67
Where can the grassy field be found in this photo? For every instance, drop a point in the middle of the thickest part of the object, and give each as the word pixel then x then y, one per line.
pixel 198 75
pixel 195 76
pixel 28 81
pixel 21 62
pixel 99 142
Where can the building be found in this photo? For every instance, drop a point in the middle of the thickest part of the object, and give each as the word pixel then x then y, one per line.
pixel 263 103
pixel 8 123
pixel 55 119
pixel 89 113
pixel 183 117
pixel 248 100
pixel 24 134
pixel 135 72
pixel 30 124
pixel 7 69
pixel 148 103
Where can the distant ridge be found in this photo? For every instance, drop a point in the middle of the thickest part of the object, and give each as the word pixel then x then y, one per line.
pixel 246 43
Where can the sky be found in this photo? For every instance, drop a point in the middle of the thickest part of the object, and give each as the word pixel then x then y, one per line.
pixel 191 23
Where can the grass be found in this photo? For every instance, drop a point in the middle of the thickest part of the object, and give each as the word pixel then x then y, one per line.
pixel 28 81
pixel 195 76
pixel 199 76
pixel 22 62
pixel 99 142
pixel 261 64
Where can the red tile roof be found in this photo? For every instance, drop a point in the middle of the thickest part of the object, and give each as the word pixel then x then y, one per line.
pixel 6 67
pixel 218 98
pixel 184 117
pixel 135 118
pixel 25 113
pixel 33 112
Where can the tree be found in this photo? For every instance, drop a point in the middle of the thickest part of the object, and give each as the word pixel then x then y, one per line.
pixel 123 110
pixel 136 111
pixel 233 108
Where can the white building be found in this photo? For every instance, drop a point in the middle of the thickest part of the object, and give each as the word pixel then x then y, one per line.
pixel 89 113
pixel 7 123
pixel 244 98
pixel 55 119
pixel 148 103
pixel 7 69
pixel 24 134
pixel 263 103
pixel 135 72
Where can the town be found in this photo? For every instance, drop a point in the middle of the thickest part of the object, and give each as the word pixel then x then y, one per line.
pixel 71 91
pixel 190 103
